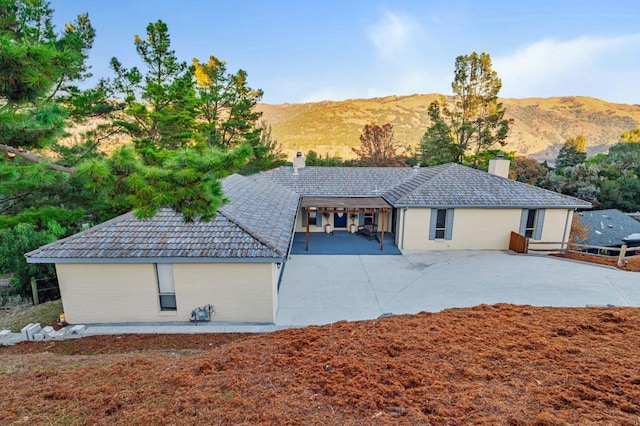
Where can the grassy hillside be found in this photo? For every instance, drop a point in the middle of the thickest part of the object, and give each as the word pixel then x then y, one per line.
pixel 541 124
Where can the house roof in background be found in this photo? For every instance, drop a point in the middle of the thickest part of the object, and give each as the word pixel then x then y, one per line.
pixel 608 227
pixel 239 231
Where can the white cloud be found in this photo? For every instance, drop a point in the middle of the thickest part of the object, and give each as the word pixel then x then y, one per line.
pixel 392 35
pixel 591 66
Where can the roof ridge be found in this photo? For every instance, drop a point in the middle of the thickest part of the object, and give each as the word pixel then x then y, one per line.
pixel 251 233
pixel 444 168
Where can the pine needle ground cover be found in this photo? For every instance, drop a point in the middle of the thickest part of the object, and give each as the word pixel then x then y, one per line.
pixel 499 364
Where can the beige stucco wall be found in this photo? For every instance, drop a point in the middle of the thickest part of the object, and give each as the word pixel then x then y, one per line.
pixel 314 228
pixel 473 229
pixel 557 225
pixel 128 292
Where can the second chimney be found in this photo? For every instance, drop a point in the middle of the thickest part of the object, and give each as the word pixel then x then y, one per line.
pixel 499 166
pixel 299 161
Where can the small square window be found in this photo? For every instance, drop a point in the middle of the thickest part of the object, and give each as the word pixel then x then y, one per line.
pixel 168 302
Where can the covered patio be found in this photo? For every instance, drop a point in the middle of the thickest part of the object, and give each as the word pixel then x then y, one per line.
pixel 375 206
pixel 342 243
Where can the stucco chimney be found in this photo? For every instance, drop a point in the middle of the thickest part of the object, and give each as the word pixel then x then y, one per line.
pixel 499 166
pixel 298 161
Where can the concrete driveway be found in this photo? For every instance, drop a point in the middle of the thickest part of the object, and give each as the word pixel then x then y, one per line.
pixel 328 288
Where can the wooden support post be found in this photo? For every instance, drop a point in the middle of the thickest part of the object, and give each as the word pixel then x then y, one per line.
pixel 306 211
pixel 384 214
pixel 34 292
pixel 623 253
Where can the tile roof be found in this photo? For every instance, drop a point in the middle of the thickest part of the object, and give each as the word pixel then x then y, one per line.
pixel 446 185
pixel 339 181
pixel 608 227
pixel 246 229
pixel 453 185
pixel 243 229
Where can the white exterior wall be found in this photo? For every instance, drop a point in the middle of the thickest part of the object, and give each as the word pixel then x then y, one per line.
pixel 92 293
pixel 314 228
pixel 474 229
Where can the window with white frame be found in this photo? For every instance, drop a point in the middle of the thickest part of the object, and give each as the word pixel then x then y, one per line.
pixel 166 287
pixel 531 223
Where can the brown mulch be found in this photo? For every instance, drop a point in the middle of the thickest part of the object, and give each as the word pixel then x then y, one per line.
pixel 632 264
pixel 493 365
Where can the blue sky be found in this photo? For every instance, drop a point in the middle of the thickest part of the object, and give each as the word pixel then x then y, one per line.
pixel 302 51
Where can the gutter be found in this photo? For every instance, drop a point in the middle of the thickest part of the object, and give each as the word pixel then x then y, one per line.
pixel 565 235
pixel 404 218
pixel 139 260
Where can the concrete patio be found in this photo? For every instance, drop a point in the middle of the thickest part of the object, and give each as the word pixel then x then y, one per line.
pixel 329 288
pixel 343 243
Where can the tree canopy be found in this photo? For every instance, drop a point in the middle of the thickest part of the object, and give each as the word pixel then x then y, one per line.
pixel 473 122
pixel 378 147
pixel 181 147
pixel 572 152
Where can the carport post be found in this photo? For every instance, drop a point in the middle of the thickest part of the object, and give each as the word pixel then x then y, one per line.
pixel 306 212
pixel 384 213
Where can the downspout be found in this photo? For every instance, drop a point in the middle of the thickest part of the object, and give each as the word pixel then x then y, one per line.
pixel 288 254
pixel 565 236
pixel 404 218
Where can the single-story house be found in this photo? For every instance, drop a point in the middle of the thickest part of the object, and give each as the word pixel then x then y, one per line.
pixel 160 269
pixel 609 228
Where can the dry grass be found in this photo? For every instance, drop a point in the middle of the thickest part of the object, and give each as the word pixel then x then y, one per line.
pixel 540 123
pixel 45 314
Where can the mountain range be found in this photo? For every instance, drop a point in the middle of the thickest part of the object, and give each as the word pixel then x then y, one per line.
pixel 540 125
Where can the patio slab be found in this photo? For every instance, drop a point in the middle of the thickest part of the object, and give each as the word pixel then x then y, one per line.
pixel 343 243
pixel 329 288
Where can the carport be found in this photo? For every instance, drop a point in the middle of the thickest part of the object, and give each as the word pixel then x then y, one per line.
pixel 346 205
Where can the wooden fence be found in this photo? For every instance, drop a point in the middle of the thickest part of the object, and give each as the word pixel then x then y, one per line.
pixel 518 243
pixel 44 290
pixel 521 244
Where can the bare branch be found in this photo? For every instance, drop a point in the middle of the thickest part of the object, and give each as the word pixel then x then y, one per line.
pixel 35 159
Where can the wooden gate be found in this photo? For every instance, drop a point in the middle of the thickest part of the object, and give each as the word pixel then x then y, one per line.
pixel 518 243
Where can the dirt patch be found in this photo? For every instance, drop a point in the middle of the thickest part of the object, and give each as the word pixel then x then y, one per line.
pixel 632 264
pixel 503 364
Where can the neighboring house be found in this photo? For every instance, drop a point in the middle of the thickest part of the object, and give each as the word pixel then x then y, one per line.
pixel 610 228
pixel 160 269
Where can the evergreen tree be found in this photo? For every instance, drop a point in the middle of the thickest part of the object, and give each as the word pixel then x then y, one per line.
pixel 226 105
pixel 573 152
pixel 475 122
pixel 164 115
pixel 266 153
